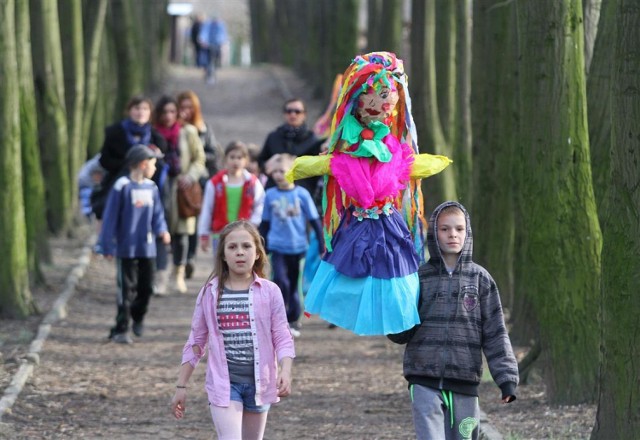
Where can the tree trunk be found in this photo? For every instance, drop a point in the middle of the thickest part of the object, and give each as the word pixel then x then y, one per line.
pixel 74 87
pixel 422 83
pixel 260 19
pixel 390 31
pixel 599 102
pixel 95 14
pixel 343 40
pixel 130 68
pixel 375 25
pixel 15 297
pixel 52 117
pixel 494 110
pixel 460 134
pixel 445 63
pixel 591 23
pixel 559 232
pixel 33 184
pixel 618 413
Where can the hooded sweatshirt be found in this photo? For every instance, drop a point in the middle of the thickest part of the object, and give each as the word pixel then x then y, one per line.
pixel 461 317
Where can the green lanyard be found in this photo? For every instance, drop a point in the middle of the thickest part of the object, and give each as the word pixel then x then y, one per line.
pixel 448 402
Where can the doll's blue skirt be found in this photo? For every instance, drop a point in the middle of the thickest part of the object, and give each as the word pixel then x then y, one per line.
pixel 369 283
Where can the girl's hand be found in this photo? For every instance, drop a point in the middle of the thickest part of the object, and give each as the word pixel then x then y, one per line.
pixel 284 383
pixel 178 406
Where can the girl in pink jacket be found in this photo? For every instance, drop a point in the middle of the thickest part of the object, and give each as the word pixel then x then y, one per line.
pixel 240 318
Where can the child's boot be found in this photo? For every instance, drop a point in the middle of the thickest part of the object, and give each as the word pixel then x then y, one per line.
pixel 181 286
pixel 160 285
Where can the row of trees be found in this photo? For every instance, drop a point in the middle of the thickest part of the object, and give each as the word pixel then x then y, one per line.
pixel 67 68
pixel 538 103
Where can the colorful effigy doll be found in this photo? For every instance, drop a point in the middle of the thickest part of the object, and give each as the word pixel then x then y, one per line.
pixel 367 282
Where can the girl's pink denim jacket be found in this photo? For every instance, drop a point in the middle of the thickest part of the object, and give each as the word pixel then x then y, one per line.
pixel 271 340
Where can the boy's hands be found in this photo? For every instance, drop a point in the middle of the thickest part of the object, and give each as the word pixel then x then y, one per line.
pixel 166 237
pixel 508 399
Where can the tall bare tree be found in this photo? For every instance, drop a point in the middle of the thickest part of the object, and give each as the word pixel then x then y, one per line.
pixel 15 296
pixel 619 391
pixel 375 26
pixel 52 115
pixel 460 123
pixel 128 49
pixel 494 109
pixel 599 101
pixel 591 10
pixel 74 86
pixel 390 29
pixel 423 86
pixel 559 232
pixel 32 181
pixel 95 13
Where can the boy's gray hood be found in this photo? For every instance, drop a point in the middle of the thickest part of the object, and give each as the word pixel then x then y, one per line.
pixel 435 256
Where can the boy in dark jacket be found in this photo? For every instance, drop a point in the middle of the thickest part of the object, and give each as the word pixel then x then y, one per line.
pixel 461 316
pixel 133 218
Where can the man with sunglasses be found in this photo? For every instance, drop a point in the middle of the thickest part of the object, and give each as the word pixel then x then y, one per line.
pixel 294 138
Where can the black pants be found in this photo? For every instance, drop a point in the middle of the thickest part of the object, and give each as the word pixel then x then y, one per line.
pixel 193 246
pixel 286 270
pixel 179 248
pixel 135 286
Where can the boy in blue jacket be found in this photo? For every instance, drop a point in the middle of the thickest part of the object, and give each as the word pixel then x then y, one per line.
pixel 460 318
pixel 132 219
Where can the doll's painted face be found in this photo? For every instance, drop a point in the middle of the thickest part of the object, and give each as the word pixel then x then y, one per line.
pixel 376 105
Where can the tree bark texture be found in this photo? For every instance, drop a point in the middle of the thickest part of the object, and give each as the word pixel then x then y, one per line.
pixel 599 102
pixel 559 231
pixel 260 19
pixel 391 30
pixel 15 297
pixel 423 87
pixel 460 137
pixel 591 14
pixel 95 13
pixel 74 86
pixel 618 413
pixel 32 181
pixel 375 26
pixel 52 115
pixel 494 110
pixel 128 50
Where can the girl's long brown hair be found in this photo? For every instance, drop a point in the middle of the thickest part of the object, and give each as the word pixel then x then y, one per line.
pixel 220 266
pixel 197 119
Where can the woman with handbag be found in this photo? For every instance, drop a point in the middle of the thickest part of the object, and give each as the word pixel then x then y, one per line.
pixel 190 112
pixel 185 161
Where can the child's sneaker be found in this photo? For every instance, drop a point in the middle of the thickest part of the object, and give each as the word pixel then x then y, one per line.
pixel 294 328
pixel 138 329
pixel 122 338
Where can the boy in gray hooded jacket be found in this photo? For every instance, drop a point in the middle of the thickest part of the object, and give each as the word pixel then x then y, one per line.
pixel 461 316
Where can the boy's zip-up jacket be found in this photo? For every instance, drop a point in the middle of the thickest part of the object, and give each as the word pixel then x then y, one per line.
pixel 461 316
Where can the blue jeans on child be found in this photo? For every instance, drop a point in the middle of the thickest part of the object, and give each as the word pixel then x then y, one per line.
pixel 246 393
